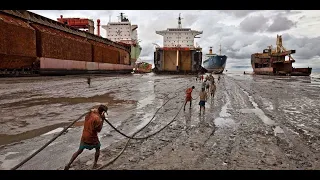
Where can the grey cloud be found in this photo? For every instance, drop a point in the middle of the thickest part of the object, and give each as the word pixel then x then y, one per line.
pixel 239 13
pixel 281 23
pixel 254 23
pixel 306 48
pixel 189 19
pixel 148 49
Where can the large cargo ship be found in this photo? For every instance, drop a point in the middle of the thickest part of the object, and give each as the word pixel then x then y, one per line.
pixel 272 62
pixel 31 44
pixel 126 33
pixel 215 63
pixel 178 55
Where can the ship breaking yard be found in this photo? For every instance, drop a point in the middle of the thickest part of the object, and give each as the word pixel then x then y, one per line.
pixel 268 119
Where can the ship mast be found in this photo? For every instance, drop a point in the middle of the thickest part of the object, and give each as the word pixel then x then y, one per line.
pixel 179 27
pixel 179 21
pixel 220 49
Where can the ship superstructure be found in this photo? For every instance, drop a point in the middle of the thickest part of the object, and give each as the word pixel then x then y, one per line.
pixel 179 53
pixel 124 32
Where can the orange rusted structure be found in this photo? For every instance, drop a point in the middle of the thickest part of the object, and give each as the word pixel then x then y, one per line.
pixel 272 62
pixel 78 23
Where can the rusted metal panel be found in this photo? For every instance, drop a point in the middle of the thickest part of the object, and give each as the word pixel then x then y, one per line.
pixel 17 37
pixel 17 43
pixel 16 62
pixel 185 60
pixel 170 58
pixel 60 45
pixel 3 45
pixel 104 53
pixel 125 57
pixel 267 70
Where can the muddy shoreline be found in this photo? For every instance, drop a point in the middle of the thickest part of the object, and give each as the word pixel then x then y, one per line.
pixel 253 122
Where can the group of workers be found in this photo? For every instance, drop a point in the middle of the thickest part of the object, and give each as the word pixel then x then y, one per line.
pixel 208 86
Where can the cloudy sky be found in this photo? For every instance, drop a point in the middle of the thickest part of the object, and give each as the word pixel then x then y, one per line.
pixel 240 32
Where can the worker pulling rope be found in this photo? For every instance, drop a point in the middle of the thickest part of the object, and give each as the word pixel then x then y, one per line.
pixel 66 128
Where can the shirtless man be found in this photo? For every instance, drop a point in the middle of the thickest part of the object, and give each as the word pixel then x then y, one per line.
pixel 212 89
pixel 203 99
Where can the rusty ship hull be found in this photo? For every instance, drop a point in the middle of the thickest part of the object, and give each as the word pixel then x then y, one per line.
pixel 35 45
pixel 177 60
pixel 274 62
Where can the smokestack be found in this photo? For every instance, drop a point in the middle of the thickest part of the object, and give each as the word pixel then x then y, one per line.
pixel 60 20
pixel 98 24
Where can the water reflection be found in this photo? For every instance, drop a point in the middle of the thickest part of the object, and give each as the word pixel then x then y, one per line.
pixel 187 116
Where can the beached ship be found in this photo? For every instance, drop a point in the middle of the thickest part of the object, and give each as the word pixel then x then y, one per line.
pixel 35 45
pixel 215 63
pixel 272 61
pixel 179 55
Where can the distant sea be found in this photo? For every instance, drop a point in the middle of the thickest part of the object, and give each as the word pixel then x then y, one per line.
pixel 315 74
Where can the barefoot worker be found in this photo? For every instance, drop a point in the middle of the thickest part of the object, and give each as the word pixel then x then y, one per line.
pixel 92 126
pixel 188 97
pixel 203 99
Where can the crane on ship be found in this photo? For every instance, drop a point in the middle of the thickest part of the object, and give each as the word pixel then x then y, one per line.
pixel 280 50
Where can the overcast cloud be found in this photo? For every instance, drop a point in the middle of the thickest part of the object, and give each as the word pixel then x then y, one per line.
pixel 240 32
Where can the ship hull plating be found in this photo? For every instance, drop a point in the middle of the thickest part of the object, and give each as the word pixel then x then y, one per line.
pixel 215 64
pixel 279 69
pixel 294 72
pixel 177 61
pixel 32 44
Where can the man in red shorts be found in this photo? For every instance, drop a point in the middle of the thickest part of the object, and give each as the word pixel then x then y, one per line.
pixel 188 97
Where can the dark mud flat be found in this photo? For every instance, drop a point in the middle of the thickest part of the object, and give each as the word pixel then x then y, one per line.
pixel 254 122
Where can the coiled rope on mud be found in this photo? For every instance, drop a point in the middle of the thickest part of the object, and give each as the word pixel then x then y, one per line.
pixel 67 127
pixel 132 137
pixel 127 143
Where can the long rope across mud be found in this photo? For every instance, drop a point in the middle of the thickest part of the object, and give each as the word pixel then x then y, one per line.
pixel 130 137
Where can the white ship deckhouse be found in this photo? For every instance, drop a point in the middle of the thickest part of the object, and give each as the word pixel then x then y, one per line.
pixel 179 37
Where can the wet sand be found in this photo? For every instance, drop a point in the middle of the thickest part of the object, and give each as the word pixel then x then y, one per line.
pixel 254 122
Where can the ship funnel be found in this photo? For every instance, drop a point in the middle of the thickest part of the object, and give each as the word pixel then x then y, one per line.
pixel 210 50
pixel 98 24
